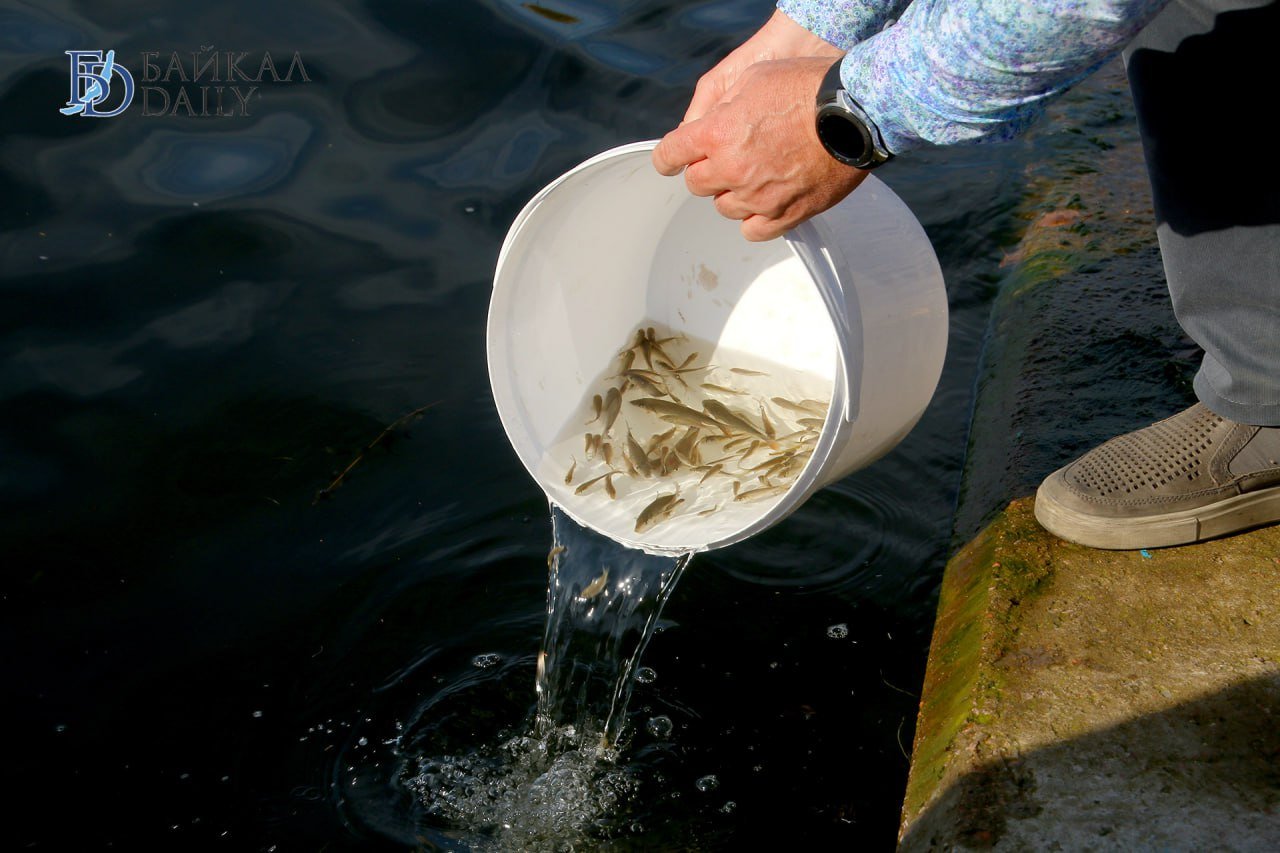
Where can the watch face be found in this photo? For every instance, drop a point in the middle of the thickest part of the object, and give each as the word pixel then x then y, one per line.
pixel 847 141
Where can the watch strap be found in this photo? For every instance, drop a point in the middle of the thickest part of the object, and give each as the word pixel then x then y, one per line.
pixel 834 101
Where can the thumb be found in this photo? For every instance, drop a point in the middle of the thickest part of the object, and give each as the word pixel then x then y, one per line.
pixel 679 148
pixel 705 96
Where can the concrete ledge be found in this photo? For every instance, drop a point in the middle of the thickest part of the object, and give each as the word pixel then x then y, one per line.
pixel 1079 699
pixel 1082 699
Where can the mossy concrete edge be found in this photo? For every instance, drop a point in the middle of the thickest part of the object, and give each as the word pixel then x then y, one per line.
pixel 1081 699
pixel 983 584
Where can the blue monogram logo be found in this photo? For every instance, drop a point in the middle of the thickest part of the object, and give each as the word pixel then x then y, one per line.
pixel 91 84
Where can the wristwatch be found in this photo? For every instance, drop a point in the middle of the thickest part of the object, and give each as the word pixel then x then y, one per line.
pixel 845 129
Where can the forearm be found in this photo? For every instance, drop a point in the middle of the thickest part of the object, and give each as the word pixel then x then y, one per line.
pixel 960 71
pixel 843 23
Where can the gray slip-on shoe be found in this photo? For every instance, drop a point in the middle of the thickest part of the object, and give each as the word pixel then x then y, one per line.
pixel 1190 477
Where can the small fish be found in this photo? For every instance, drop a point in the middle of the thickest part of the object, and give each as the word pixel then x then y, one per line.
pixel 816 405
pixel 804 436
pixel 658 511
pixel 757 494
pixel 610 408
pixel 768 426
pixel 596 402
pixel 637 455
pixel 654 386
pixel 656 440
pixel 711 386
pixel 811 423
pixel 595 587
pixel 728 417
pixel 655 345
pixel 646 351
pixel 742 371
pixel 608 487
pixel 631 468
pixel 775 459
pixel 606 450
pixel 628 357
pixel 686 447
pixel 711 470
pixel 670 463
pixel 640 373
pixel 676 413
pixel 568 477
pixel 798 408
pixel 706 512
pixel 555 552
pixel 589 483
pixel 784 403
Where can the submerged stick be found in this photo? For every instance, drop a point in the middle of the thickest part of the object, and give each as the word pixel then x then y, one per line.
pixel 328 490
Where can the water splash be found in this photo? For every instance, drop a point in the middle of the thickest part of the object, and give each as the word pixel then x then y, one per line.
pixel 561 782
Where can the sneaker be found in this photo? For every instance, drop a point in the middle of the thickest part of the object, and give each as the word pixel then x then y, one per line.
pixel 1190 477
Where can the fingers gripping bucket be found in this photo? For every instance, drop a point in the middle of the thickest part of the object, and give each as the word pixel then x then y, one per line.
pixel 852 300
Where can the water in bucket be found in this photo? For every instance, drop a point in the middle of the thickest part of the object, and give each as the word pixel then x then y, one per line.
pixel 680 431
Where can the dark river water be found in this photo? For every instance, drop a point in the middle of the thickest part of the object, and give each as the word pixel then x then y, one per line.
pixel 204 319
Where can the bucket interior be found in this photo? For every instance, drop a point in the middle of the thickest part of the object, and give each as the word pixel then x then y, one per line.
pixel 612 248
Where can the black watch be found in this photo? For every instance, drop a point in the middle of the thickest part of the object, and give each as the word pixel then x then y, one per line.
pixel 845 129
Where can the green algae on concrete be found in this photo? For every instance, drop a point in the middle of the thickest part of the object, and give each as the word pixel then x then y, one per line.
pixel 1084 699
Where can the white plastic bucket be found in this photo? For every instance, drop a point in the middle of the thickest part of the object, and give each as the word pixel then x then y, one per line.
pixel 853 297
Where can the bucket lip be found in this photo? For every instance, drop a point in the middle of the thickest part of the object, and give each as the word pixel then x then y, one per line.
pixel 517 224
pixel 808 480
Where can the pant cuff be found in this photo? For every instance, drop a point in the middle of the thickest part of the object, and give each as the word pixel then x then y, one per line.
pixel 1264 415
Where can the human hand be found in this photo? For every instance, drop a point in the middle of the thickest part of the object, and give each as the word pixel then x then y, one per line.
pixel 779 38
pixel 757 151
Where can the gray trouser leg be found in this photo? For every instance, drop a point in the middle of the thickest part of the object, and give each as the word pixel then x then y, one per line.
pixel 1204 80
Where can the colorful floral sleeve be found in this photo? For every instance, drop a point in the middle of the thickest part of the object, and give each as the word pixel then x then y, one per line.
pixel 952 72
pixel 844 23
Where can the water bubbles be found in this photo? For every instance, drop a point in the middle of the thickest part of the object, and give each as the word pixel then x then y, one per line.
pixel 728 807
pixel 257 715
pixel 545 793
pixel 707 783
pixel 839 631
pixel 60 728
pixel 645 675
pixel 660 726
pixel 364 741
pixel 486 660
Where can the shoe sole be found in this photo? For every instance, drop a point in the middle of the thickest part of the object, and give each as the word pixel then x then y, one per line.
pixel 1232 515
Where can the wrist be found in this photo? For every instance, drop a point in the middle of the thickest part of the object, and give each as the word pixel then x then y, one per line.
pixel 790 39
pixel 843 126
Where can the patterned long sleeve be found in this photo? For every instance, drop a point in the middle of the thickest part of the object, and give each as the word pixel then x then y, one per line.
pixel 952 72
pixel 844 23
